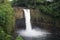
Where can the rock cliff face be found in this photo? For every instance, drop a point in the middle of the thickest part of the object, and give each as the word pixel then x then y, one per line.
pixel 37 19
pixel 18 12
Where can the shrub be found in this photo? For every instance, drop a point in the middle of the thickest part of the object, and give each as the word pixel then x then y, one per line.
pixel 6 17
pixel 6 21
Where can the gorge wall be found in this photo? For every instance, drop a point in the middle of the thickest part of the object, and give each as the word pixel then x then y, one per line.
pixel 38 19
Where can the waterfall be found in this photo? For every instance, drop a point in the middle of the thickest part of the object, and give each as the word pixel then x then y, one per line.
pixel 27 19
pixel 29 32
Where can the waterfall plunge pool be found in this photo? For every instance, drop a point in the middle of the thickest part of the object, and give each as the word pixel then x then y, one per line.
pixel 30 33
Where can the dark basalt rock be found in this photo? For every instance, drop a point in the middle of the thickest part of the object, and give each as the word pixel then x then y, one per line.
pixel 20 23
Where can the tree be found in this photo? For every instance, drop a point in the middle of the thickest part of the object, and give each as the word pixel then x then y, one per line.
pixel 6 20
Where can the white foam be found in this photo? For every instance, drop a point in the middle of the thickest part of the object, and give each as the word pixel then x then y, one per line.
pixel 33 33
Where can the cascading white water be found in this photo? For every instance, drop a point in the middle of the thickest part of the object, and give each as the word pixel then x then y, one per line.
pixel 27 19
pixel 29 32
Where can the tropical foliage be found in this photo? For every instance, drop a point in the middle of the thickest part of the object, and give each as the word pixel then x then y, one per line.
pixel 50 7
pixel 7 21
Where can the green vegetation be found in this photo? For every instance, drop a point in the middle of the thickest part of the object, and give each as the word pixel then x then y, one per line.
pixel 7 21
pixel 6 17
pixel 47 7
pixel 19 38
